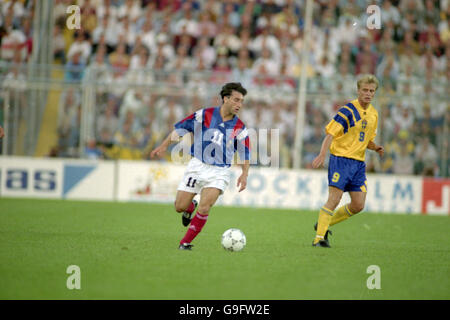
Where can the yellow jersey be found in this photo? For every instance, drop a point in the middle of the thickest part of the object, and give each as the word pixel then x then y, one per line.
pixel 353 127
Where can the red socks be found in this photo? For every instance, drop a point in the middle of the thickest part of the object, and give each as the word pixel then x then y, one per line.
pixel 191 208
pixel 195 227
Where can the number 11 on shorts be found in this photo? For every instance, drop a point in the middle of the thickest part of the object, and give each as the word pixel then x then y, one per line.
pixel 189 182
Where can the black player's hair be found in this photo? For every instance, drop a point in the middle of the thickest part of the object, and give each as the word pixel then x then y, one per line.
pixel 228 89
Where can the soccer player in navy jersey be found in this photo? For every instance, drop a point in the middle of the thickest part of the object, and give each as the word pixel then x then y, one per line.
pixel 348 135
pixel 218 134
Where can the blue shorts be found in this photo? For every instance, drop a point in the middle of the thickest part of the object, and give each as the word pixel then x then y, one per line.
pixel 347 174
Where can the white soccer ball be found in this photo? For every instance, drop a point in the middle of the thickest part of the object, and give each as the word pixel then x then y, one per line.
pixel 233 240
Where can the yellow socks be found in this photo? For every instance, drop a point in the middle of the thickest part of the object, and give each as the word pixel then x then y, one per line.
pixel 340 215
pixel 325 216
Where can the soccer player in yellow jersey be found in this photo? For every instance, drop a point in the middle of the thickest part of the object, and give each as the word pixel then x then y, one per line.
pixel 348 135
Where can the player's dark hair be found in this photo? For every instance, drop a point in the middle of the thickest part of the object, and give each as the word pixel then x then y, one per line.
pixel 228 89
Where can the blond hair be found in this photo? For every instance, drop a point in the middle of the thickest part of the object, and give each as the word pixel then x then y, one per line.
pixel 367 78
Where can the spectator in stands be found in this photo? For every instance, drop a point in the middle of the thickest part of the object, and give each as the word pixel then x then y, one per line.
pixel 266 40
pixel 431 12
pixel 139 71
pixel 429 37
pixel 59 44
pixel 366 59
pixel 325 68
pixel 89 14
pixel 413 7
pixel 426 157
pixel 148 35
pixel 14 9
pixel 119 59
pixel 125 137
pixel 106 9
pixel 74 69
pixel 182 61
pixel 444 27
pixel 242 72
pixel 163 49
pixel 387 123
pixel 345 31
pixel 388 68
pixel 105 138
pixel 186 20
pixel 168 107
pixel 92 151
pixel 403 117
pixel 99 66
pixel 346 57
pixel 107 121
pixel 148 139
pixel 390 13
pixel 207 28
pixel 403 162
pixel 230 16
pixel 68 120
pixel 428 61
pixel 204 51
pixel 133 101
pixel 226 38
pixel 14 82
pixel 312 146
pixel 81 45
pixel 373 163
pixel 174 32
pixel 393 150
pixel 12 40
pixel 266 64
pixel 15 79
pixel 108 29
pixel 126 33
pixel 409 59
pixel 130 9
pixel 28 33
pixel 221 70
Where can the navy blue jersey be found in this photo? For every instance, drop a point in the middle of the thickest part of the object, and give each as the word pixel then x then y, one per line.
pixel 215 141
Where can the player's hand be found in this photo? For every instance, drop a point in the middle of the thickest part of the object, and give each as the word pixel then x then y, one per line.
pixel 158 151
pixel 242 182
pixel 318 161
pixel 2 132
pixel 380 151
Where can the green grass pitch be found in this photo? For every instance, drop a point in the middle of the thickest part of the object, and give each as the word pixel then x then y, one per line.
pixel 129 251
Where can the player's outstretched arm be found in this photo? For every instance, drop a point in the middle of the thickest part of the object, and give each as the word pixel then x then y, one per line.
pixel 373 146
pixel 159 150
pixel 2 132
pixel 320 159
pixel 242 180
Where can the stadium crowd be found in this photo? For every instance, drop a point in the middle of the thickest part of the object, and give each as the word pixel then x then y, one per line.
pixel 187 46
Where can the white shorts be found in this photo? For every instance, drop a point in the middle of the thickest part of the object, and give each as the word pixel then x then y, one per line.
pixel 199 175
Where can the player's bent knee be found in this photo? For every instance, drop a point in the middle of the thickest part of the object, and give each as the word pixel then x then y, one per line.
pixel 332 204
pixel 356 207
pixel 179 207
pixel 204 209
